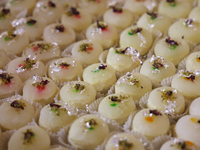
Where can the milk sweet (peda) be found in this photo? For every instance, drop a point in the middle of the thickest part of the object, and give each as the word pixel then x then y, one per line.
pixel 194 14
pixel 193 61
pixel 4 59
pixel 194 107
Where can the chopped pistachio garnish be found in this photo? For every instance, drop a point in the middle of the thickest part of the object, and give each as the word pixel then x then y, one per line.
pixel 5 78
pixel 10 36
pixel 120 50
pixel 171 43
pixel 189 75
pixel 101 67
pixel 155 112
pixel 124 144
pixel 31 22
pixel 98 1
pixel 168 94
pixel 79 87
pixel 72 11
pixel 60 28
pixel 171 2
pixel 188 23
pixel 64 65
pixel 117 9
pixel 28 136
pixel 115 99
pixel 90 124
pixel 41 84
pixel 28 64
pixel 15 1
pixel 132 31
pixel 158 63
pixel 18 104
pixel 100 25
pixel 51 4
pixel 134 81
pixel 4 13
pixel 55 108
pixel 85 47
pixel 152 15
pixel 41 47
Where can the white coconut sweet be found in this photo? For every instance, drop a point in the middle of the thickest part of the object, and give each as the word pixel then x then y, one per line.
pixel 194 107
pixel 194 14
pixel 193 61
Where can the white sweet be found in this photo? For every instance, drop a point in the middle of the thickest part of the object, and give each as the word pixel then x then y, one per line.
pixel 12 112
pixel 124 141
pixel 55 116
pixel 64 69
pixel 193 61
pixel 195 107
pixel 166 99
pixel 78 94
pixel 101 76
pixel 194 14
pixel 91 131
pixel 138 38
pixel 133 84
pixel 137 7
pixel 149 123
pixel 60 34
pixel 3 58
pixel 26 67
pixel 187 29
pixel 175 9
pixel 29 138
pixel 87 52
pixel 154 22
pixel 117 107
pixel 198 2
pixel 168 49
pixel 157 68
pixel 188 128
pixel 58 148
pixel 42 51
pixel 103 33
pixel 79 21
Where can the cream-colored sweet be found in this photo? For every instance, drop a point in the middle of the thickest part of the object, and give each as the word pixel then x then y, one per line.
pixel 123 141
pixel 185 28
pixel 103 33
pixel 157 68
pixel 16 113
pixel 188 128
pixel 32 27
pixel 195 107
pixel 166 99
pixel 29 138
pixel 9 84
pixel 138 38
pixel 3 58
pixel 198 2
pixel 47 11
pixel 123 60
pixel 136 6
pixel 151 123
pixel 193 61
pixel 40 89
pixel 134 84
pixel 154 22
pixel 78 94
pixel 54 116
pixel 91 131
pixel 188 83
pixel 119 17
pixel 87 52
pixel 60 34
pixel 179 144
pixel 26 67
pixel 194 14
pixel 101 76
pixel 14 41
pixel 42 51
pixel 117 107
pixel 172 49
pixel 95 7
pixel 175 8
pixel 77 19
pixel 64 69
pixel 58 148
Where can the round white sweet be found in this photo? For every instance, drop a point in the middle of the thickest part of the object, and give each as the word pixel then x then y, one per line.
pixel 188 128
pixel 135 6
pixel 13 110
pixel 78 19
pixel 172 49
pixel 42 51
pixel 154 22
pixel 14 42
pixel 78 94
pixel 193 61
pixel 187 29
pixel 188 83
pixel 195 107
pixel 64 69
pixel 117 107
pixel 103 33
pixel 194 14
pixel 134 84
pixel 138 38
pixel 87 52
pixel 26 67
pixel 58 148
pixel 166 99
pixel 101 76
pixel 157 68
pixel 177 9
pixel 29 138
pixel 55 116
pixel 149 123
pixel 60 34
pixel 118 17
pixel 3 58
pixel 91 131
pixel 122 60
pixel 124 141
